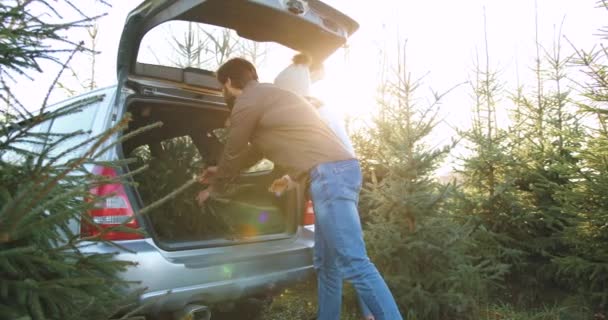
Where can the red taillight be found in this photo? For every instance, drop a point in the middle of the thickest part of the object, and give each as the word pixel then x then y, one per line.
pixel 114 210
pixel 309 214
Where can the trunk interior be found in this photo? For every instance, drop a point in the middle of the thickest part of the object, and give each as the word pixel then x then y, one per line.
pixel 189 140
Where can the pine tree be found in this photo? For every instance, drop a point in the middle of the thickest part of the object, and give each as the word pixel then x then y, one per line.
pixel 207 47
pixel 585 267
pixel 189 49
pixel 487 192
pixel 43 272
pixel 424 252
pixel 546 136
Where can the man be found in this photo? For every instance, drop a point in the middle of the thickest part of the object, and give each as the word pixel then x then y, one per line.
pixel 285 128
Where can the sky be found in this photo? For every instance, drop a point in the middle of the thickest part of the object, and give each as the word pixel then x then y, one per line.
pixel 443 39
pixel 442 35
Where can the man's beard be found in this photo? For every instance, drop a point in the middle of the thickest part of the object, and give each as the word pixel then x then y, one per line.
pixel 229 99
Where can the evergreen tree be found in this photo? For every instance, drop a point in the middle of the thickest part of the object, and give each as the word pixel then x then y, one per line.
pixel 189 49
pixel 546 135
pixel 425 253
pixel 521 181
pixel 585 267
pixel 43 272
pixel 487 191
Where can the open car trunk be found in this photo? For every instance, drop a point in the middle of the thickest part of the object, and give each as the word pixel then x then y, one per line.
pixel 174 154
pixel 189 103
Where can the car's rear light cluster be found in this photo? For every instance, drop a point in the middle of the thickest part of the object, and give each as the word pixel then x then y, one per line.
pixel 113 211
pixel 309 214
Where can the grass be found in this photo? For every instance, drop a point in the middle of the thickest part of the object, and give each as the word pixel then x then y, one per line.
pixel 300 303
pixel 509 312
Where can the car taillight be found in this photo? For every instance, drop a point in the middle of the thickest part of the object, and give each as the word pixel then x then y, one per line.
pixel 114 210
pixel 309 214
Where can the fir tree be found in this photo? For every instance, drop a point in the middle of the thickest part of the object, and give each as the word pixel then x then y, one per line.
pixel 585 266
pixel 424 252
pixel 43 272
pixel 487 193
pixel 545 135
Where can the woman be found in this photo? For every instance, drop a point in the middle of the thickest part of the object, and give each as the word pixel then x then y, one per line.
pixel 297 78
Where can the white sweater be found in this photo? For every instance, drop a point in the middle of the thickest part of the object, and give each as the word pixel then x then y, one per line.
pixel 335 122
pixel 296 78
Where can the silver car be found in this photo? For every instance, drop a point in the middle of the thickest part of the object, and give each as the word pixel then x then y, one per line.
pixel 248 245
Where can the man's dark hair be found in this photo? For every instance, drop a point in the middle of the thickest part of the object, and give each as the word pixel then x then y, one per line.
pixel 239 71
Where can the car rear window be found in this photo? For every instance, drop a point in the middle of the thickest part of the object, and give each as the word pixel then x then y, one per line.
pixel 183 44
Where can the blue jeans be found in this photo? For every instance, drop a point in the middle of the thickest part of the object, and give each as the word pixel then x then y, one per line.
pixel 339 247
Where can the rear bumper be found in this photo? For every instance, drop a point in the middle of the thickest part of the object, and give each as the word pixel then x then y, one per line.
pixel 223 291
pixel 213 275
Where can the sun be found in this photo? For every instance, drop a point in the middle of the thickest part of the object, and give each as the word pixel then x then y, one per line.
pixel 351 90
pixel 349 85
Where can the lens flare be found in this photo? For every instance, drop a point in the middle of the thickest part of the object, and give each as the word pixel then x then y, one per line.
pixel 249 231
pixel 227 272
pixel 263 217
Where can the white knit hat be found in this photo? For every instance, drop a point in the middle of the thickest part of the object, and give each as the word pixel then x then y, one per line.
pixel 295 78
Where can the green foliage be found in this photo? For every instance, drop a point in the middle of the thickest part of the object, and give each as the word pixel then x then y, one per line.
pixel 34 32
pixel 522 233
pixel 533 188
pixel 583 266
pixel 488 193
pixel 246 210
pixel 426 254
pixel 505 311
pixel 43 273
pixel 547 139
pixel 29 38
pixel 300 303
pixel 180 164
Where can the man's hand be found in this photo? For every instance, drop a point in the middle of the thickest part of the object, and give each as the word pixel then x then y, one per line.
pixel 207 174
pixel 202 196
